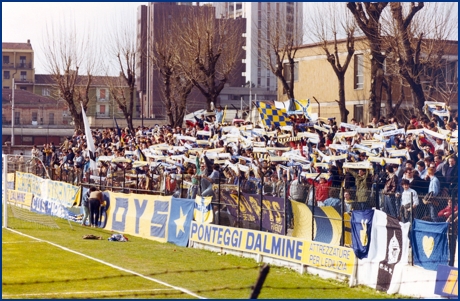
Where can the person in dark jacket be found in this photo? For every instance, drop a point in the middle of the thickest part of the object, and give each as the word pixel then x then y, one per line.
pixel 390 205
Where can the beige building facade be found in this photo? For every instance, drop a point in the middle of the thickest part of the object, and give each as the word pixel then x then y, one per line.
pixel 315 79
pixel 18 63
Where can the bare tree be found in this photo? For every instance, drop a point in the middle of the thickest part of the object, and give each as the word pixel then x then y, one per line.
pixel 280 37
pixel 330 23
pixel 122 48
pixel 68 54
pixel 418 39
pixel 367 16
pixel 210 50
pixel 165 56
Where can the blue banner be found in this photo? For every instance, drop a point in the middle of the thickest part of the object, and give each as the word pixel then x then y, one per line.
pixel 361 226
pixel 43 206
pixel 180 219
pixel 429 244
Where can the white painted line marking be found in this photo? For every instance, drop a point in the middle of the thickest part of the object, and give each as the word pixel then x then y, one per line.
pixel 21 242
pixel 113 266
pixel 81 293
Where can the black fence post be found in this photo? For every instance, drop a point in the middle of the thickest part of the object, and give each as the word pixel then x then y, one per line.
pixel 377 196
pixel 238 204
pixel 218 200
pixel 342 237
pixel 261 198
pixel 286 221
pixel 312 212
pixel 411 224
pixel 454 228
pixel 181 185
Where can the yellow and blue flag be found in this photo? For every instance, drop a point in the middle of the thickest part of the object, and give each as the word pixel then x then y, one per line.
pixel 430 245
pixel 203 210
pixel 140 154
pixel 361 226
pixel 300 107
pixel 271 115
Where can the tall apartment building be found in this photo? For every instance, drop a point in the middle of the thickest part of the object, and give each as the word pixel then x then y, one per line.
pixel 152 21
pixel 257 16
pixel 18 62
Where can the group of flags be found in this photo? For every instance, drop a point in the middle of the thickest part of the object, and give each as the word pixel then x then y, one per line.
pixel 381 242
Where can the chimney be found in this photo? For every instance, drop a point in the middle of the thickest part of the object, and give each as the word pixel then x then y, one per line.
pixel 28 41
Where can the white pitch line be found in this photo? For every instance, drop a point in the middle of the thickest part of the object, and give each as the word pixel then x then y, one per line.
pixel 21 242
pixel 81 293
pixel 113 266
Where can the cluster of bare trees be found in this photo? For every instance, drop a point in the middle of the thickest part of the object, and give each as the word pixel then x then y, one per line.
pixel 71 61
pixel 191 50
pixel 406 39
pixel 408 43
pixel 195 50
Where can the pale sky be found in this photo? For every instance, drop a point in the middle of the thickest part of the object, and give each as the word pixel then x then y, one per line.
pixel 22 21
pixel 28 20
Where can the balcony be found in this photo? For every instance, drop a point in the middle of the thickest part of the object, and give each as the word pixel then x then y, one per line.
pixel 22 81
pixel 24 65
pixel 102 115
pixel 102 99
pixel 7 65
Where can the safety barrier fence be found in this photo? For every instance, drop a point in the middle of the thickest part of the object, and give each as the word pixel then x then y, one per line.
pixel 269 208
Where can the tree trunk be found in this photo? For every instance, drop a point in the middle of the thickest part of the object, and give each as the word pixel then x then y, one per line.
pixel 343 109
pixel 377 73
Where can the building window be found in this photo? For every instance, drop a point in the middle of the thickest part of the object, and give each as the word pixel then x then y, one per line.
pixel 51 118
pixel 451 72
pixel 34 116
pixel 23 88
pixel 23 76
pixel 359 71
pixel 102 109
pixel 22 62
pixel 17 117
pixel 46 92
pixel 6 87
pixel 6 59
pixel 358 112
pixel 102 95
pixel 268 82
pixel 6 74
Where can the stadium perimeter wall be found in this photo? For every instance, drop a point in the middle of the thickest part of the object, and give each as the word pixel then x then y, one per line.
pixel 416 281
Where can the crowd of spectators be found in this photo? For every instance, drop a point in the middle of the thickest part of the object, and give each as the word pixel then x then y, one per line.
pixel 307 162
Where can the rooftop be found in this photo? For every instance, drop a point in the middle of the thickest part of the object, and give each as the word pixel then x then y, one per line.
pixel 17 46
pixel 25 97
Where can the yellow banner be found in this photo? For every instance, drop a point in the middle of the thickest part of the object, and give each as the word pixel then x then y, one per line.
pixel 139 215
pixel 324 256
pixel 20 199
pixel 27 182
